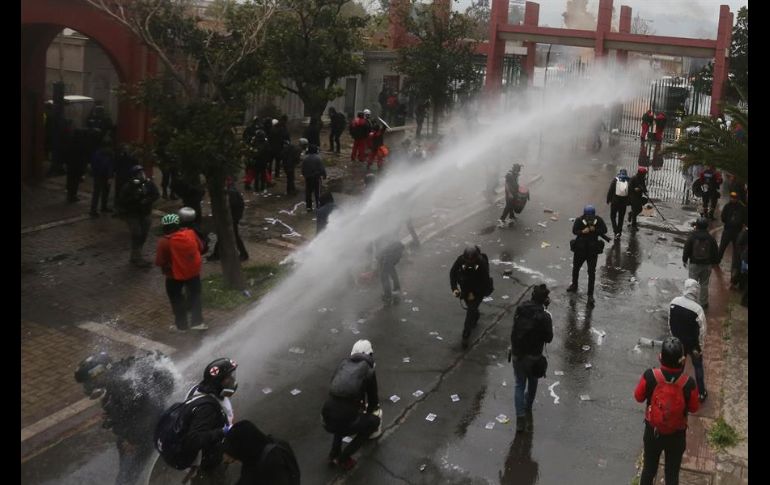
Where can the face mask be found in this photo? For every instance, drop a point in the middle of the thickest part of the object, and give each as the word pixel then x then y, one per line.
pixel 229 391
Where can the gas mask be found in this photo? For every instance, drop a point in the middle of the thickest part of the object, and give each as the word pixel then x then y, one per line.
pixel 229 391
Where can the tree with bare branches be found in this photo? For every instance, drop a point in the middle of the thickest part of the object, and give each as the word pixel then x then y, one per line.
pixel 211 59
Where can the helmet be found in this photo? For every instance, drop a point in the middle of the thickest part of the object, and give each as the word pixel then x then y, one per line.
pixel 642 170
pixel 367 112
pixel 92 366
pixel 216 373
pixel 136 169
pixel 702 223
pixel 589 210
pixel 303 142
pixel 275 121
pixel 672 352
pixel 362 347
pixel 471 253
pixel 186 214
pixel 622 172
pixel 169 219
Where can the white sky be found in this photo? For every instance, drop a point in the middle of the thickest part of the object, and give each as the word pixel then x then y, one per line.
pixel 679 18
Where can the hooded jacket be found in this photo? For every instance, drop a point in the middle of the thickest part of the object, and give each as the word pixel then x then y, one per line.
pixel 588 244
pixel 471 277
pixel 734 216
pixel 686 318
pixel 614 199
pixel 245 442
pixel 701 234
pixel 313 166
pixel 206 428
pixel 340 412
pixel 532 329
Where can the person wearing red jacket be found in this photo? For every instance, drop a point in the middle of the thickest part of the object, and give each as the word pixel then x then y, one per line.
pixel 660 125
pixel 359 130
pixel 179 257
pixel 655 441
pixel 647 119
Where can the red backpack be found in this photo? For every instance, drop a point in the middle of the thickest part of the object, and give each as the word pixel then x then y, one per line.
pixel 666 412
pixel 185 248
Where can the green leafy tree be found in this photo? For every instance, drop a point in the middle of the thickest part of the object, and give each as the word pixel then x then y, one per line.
pixel 715 144
pixel 313 43
pixel 439 60
pixel 210 61
pixel 738 70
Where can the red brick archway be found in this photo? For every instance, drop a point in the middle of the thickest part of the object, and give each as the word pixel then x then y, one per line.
pixel 41 20
pixel 602 39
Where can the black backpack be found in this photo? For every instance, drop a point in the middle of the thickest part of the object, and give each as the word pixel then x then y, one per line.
pixel 290 465
pixel 701 250
pixel 348 380
pixel 172 428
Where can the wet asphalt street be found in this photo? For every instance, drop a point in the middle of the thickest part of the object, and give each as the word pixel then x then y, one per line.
pixel 587 426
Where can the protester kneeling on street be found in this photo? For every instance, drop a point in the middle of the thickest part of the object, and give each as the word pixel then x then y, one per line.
pixel 353 405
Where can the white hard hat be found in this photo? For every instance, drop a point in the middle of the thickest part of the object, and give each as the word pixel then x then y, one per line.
pixel 367 112
pixel 275 121
pixel 362 347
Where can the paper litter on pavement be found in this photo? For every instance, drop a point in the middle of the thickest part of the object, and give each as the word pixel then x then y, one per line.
pixel 430 417
pixel 294 392
pixel 490 425
pixel 454 397
pixel 394 398
pixel 417 393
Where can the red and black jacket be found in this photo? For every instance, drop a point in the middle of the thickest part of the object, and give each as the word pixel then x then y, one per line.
pixel 647 385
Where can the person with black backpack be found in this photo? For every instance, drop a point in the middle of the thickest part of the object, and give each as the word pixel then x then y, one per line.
pixel 189 434
pixel 734 217
pixel 264 459
pixel 617 197
pixel 670 395
pixel 701 251
pixel 133 393
pixel 353 405
pixel 586 248
pixel 470 281
pixel 532 329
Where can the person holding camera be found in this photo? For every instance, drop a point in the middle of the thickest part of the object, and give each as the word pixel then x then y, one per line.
pixel 532 329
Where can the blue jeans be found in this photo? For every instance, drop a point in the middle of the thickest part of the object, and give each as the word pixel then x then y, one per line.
pixel 524 395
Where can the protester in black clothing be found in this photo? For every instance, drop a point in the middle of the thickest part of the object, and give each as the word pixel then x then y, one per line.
pixel 136 199
pixel 338 122
pixel 701 252
pixel 124 162
pixel 353 388
pixel 388 252
pixel 191 191
pixel 279 134
pixel 586 248
pixel 637 190
pixel 707 186
pixel 292 157
pixel 469 280
pixel 313 131
pixel 102 170
pixel 618 198
pixel 212 418
pixel 325 208
pixel 237 206
pixel 511 192
pixel 77 154
pixel 313 170
pixel 734 216
pixel 133 392
pixel 264 459
pixel 532 329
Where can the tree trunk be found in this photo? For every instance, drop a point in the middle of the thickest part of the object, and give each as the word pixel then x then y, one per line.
pixel 437 110
pixel 228 254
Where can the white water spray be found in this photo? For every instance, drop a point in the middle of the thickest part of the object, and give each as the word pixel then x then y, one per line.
pixel 323 265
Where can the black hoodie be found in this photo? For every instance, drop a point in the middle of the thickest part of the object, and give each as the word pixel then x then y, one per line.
pixel 532 329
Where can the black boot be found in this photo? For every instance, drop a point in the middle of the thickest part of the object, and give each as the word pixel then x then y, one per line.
pixel 572 288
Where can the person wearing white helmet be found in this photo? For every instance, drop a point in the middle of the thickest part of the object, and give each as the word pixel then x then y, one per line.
pixel 354 382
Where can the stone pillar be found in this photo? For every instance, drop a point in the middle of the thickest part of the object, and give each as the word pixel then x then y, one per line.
pixel 397 32
pixel 625 28
pixel 531 18
pixel 724 39
pixel 603 25
pixel 496 52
